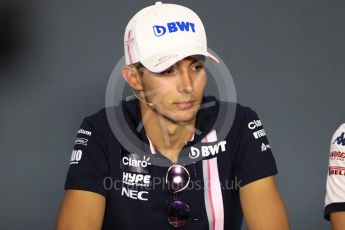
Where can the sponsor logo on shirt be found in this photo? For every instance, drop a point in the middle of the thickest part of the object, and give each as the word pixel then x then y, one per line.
pixel 128 160
pixel 134 194
pixel 76 156
pixel 85 132
pixel 172 27
pixel 254 124
pixel 260 133
pixel 136 179
pixel 340 140
pixel 264 147
pixel 207 150
pixel 336 171
pixel 81 141
pixel 337 155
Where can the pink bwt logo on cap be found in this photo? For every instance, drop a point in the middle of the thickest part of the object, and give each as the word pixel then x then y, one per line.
pixel 173 27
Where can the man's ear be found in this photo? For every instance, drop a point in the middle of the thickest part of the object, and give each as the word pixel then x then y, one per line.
pixel 132 77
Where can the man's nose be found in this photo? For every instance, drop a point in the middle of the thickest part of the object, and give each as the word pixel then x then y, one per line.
pixel 185 82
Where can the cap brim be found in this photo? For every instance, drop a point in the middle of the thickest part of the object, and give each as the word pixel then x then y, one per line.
pixel 165 59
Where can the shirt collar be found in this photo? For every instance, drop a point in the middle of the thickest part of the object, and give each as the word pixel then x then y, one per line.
pixel 153 148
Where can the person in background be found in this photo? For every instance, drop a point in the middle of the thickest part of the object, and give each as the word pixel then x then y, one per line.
pixel 335 186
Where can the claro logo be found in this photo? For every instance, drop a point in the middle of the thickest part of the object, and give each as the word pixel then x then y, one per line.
pixel 135 162
pixel 207 150
pixel 254 124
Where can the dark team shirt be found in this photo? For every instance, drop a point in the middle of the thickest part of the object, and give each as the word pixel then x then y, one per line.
pixel 335 195
pixel 133 182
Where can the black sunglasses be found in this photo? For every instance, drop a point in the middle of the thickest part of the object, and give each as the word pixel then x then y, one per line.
pixel 177 179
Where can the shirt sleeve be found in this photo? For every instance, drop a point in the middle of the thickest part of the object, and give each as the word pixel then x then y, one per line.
pixel 335 185
pixel 88 165
pixel 255 159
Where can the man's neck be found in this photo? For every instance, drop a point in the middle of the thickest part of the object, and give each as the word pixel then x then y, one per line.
pixel 167 136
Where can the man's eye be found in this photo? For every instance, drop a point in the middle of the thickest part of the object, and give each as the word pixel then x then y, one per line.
pixel 197 67
pixel 168 72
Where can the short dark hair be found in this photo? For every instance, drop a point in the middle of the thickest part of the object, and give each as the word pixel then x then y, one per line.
pixel 138 66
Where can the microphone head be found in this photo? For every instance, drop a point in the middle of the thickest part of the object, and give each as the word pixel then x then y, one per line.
pixel 149 104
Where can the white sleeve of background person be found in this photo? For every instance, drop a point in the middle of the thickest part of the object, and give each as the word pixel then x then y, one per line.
pixel 336 169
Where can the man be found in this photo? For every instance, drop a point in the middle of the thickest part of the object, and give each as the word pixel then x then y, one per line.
pixel 335 195
pixel 165 48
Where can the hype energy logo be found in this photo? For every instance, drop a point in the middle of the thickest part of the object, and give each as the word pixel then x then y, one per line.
pixel 172 27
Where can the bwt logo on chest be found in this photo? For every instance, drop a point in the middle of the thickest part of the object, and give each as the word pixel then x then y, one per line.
pixel 172 27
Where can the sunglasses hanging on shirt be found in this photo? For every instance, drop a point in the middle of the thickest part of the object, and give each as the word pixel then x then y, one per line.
pixel 177 180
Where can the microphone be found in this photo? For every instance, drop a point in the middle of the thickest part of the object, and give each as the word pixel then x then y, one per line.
pixel 149 104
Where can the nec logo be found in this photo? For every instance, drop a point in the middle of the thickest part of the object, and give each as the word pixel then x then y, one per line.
pixel 340 140
pixel 172 27
pixel 134 194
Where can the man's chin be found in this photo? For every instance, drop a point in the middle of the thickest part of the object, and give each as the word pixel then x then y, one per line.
pixel 178 116
pixel 183 118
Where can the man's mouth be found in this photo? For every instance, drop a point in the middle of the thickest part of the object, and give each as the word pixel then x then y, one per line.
pixel 183 105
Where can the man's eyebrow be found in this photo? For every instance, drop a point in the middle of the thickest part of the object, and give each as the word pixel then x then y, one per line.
pixel 193 60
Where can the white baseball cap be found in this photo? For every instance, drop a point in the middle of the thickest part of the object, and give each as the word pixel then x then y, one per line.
pixel 160 35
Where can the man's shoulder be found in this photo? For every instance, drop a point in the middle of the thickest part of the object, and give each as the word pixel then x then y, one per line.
pixel 341 128
pixel 339 132
pixel 228 104
pixel 241 111
pixel 227 117
pixel 98 118
pixel 97 122
pixel 338 139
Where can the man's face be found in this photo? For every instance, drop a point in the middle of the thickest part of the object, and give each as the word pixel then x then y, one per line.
pixel 176 93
